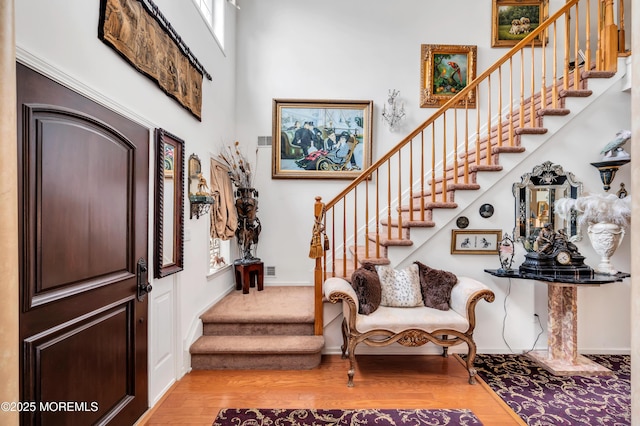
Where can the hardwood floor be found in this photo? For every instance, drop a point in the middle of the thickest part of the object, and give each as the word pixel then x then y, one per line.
pixel 380 382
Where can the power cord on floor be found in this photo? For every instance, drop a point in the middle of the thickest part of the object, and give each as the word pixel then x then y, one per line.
pixel 504 323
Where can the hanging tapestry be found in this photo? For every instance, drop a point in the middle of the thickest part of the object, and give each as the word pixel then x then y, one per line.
pixel 141 34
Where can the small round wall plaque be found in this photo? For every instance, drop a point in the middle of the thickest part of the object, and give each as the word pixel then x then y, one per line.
pixel 486 210
pixel 462 222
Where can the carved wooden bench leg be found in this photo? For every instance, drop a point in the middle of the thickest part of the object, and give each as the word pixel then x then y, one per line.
pixel 352 364
pixel 445 349
pixel 471 357
pixel 344 339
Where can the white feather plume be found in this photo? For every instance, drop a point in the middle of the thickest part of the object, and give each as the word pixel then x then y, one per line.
pixel 596 208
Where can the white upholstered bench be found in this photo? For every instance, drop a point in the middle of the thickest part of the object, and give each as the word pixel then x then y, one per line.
pixel 413 326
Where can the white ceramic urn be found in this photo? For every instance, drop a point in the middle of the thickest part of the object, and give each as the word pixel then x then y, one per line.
pixel 605 239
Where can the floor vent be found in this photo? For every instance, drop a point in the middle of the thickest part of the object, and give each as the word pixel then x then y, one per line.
pixel 264 140
pixel 270 271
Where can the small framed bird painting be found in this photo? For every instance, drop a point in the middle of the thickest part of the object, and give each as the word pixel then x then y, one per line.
pixel 445 71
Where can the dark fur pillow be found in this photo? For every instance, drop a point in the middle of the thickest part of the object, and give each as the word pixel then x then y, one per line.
pixel 366 283
pixel 436 286
pixel 369 266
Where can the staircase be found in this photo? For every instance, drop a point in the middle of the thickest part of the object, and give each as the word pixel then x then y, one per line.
pixel 418 212
pixel 460 146
pixel 267 330
pixel 532 124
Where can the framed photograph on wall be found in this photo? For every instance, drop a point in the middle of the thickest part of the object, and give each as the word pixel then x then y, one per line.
pixel 321 139
pixel 513 20
pixel 444 71
pixel 479 241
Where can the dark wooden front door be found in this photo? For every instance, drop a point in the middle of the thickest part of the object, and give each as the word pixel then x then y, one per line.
pixel 83 188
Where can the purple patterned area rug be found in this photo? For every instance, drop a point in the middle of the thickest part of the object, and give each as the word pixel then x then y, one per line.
pixel 540 398
pixel 295 417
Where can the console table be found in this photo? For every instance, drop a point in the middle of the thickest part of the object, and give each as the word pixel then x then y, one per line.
pixel 562 358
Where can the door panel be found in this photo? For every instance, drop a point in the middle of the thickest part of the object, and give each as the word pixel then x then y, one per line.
pixel 110 355
pixel 83 187
pixel 99 159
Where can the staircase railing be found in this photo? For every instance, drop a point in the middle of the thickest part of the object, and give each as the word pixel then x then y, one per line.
pixel 400 190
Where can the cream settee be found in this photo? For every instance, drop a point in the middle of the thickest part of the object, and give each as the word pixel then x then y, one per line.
pixel 414 326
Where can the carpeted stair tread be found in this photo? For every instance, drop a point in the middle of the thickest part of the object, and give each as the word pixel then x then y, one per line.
pixel 393 241
pixel 576 93
pixel 370 257
pixel 428 205
pixel 598 74
pixel 257 345
pixel 275 304
pixel 554 111
pixel 408 223
pixel 530 131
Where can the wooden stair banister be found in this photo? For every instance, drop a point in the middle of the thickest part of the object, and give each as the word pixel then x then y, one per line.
pixel 442 155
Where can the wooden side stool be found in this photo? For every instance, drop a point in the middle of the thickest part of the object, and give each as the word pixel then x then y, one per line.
pixel 249 275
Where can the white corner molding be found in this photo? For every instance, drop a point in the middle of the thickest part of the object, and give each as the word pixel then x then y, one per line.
pixel 58 75
pixel 626 80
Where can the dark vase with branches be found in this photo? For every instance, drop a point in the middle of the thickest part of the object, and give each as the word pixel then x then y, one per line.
pixel 249 226
pixel 246 203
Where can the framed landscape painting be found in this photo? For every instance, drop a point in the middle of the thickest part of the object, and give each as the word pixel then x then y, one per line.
pixel 321 139
pixel 513 20
pixel 444 71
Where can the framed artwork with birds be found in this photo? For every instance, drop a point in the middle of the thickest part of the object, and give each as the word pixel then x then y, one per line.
pixel 445 71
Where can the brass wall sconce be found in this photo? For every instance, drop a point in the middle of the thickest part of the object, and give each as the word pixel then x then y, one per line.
pixel 201 200
pixel 608 170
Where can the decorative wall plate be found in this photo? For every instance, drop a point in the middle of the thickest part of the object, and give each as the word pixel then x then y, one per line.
pixel 486 210
pixel 462 222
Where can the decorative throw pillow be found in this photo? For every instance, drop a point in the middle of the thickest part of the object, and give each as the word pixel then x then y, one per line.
pixel 400 289
pixel 367 286
pixel 436 286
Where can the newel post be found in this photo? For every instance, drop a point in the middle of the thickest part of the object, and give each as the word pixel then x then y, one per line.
pixel 316 251
pixel 621 30
pixel 610 38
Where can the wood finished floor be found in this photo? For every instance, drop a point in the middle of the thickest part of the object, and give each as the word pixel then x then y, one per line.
pixel 380 382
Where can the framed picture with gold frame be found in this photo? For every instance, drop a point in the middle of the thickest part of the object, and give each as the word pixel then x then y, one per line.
pixel 321 139
pixel 444 71
pixel 479 241
pixel 513 20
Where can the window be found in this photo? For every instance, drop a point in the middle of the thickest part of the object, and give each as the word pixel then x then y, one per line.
pixel 206 8
pixel 219 254
pixel 223 217
pixel 212 12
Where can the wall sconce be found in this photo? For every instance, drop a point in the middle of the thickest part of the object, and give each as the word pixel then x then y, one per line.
pixel 200 205
pixel 200 201
pixel 395 113
pixel 608 170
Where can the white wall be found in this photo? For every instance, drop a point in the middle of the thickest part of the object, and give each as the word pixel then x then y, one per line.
pixel 358 50
pixel 59 38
